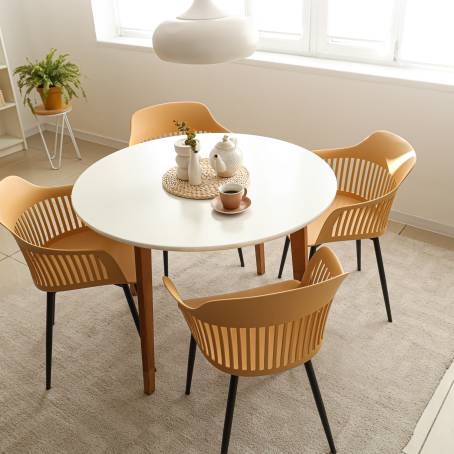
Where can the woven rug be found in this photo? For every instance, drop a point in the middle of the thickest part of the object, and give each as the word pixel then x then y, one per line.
pixel 376 378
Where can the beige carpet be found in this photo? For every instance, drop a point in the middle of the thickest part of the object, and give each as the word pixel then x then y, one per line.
pixel 375 377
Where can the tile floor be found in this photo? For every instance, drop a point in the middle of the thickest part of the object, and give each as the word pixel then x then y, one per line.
pixel 434 432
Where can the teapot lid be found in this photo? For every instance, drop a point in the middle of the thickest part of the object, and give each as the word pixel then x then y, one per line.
pixel 226 143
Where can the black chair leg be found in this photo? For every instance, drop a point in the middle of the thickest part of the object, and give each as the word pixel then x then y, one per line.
pixel 381 271
pixel 53 315
pixel 165 257
pixel 319 402
pixel 358 254
pixel 191 359
pixel 132 306
pixel 284 256
pixel 312 251
pixel 50 313
pixel 240 254
pixel 229 414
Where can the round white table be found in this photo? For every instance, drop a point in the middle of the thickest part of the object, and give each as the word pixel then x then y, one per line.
pixel 121 197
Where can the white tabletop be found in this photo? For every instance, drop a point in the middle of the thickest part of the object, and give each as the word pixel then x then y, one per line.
pixel 121 196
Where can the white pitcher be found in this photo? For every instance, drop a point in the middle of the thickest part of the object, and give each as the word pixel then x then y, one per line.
pixel 226 158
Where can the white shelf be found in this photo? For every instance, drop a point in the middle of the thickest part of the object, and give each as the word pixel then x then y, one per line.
pixel 9 141
pixel 8 105
pixel 12 138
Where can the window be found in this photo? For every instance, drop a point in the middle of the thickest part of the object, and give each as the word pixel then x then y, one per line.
pixel 356 28
pixel 139 18
pixel 394 32
pixel 428 34
pixel 283 24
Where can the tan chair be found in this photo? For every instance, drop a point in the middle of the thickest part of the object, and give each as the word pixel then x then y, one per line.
pixel 156 122
pixel 264 331
pixel 60 251
pixel 368 177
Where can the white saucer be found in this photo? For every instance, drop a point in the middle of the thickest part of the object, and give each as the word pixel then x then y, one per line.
pixel 216 203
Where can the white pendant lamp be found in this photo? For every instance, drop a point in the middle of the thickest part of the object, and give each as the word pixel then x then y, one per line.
pixel 205 34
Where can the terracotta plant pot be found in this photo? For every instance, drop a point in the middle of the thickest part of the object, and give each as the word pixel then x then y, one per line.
pixel 54 99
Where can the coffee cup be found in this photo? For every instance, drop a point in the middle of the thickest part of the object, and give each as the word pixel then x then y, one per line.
pixel 231 195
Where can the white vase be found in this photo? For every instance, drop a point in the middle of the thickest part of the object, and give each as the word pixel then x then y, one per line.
pixel 194 169
pixel 183 152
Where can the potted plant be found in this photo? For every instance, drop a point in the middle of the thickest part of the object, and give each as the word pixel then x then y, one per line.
pixel 188 163
pixel 55 78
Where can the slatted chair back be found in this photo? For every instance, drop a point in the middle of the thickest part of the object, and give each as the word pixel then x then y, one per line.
pixel 155 122
pixel 370 172
pixel 38 216
pixel 266 334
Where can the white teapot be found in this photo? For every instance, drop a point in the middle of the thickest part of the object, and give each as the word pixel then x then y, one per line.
pixel 226 158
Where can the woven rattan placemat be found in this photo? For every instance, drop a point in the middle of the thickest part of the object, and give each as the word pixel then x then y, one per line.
pixel 210 182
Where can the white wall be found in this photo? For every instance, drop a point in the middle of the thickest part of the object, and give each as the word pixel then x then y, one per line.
pixel 306 108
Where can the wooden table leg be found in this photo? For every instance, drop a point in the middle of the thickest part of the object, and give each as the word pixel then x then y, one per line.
pixel 145 296
pixel 299 252
pixel 260 258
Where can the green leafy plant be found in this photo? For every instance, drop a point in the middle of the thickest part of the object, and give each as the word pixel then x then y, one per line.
pixel 52 71
pixel 190 135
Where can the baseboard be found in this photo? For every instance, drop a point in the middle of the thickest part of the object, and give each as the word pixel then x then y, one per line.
pixel 82 135
pixel 31 131
pixel 421 223
pixel 94 138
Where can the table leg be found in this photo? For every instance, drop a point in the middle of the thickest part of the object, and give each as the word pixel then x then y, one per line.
pixel 145 297
pixel 260 258
pixel 299 252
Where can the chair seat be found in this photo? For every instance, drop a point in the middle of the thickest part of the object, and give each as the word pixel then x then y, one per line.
pixel 270 288
pixel 87 239
pixel 341 200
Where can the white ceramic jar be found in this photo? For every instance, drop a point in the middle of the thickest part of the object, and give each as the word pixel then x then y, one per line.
pixel 183 152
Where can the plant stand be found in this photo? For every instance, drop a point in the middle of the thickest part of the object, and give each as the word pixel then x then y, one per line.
pixel 61 121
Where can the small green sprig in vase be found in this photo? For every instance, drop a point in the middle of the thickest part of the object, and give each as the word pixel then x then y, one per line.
pixel 191 140
pixel 194 168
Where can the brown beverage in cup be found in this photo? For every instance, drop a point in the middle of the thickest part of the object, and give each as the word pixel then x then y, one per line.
pixel 231 195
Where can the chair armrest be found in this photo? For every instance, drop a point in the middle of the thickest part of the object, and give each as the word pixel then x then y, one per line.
pixel 62 269
pixel 170 286
pixel 357 221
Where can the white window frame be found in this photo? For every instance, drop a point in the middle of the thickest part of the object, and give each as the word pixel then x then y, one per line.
pixel 124 32
pixel 324 47
pixel 286 43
